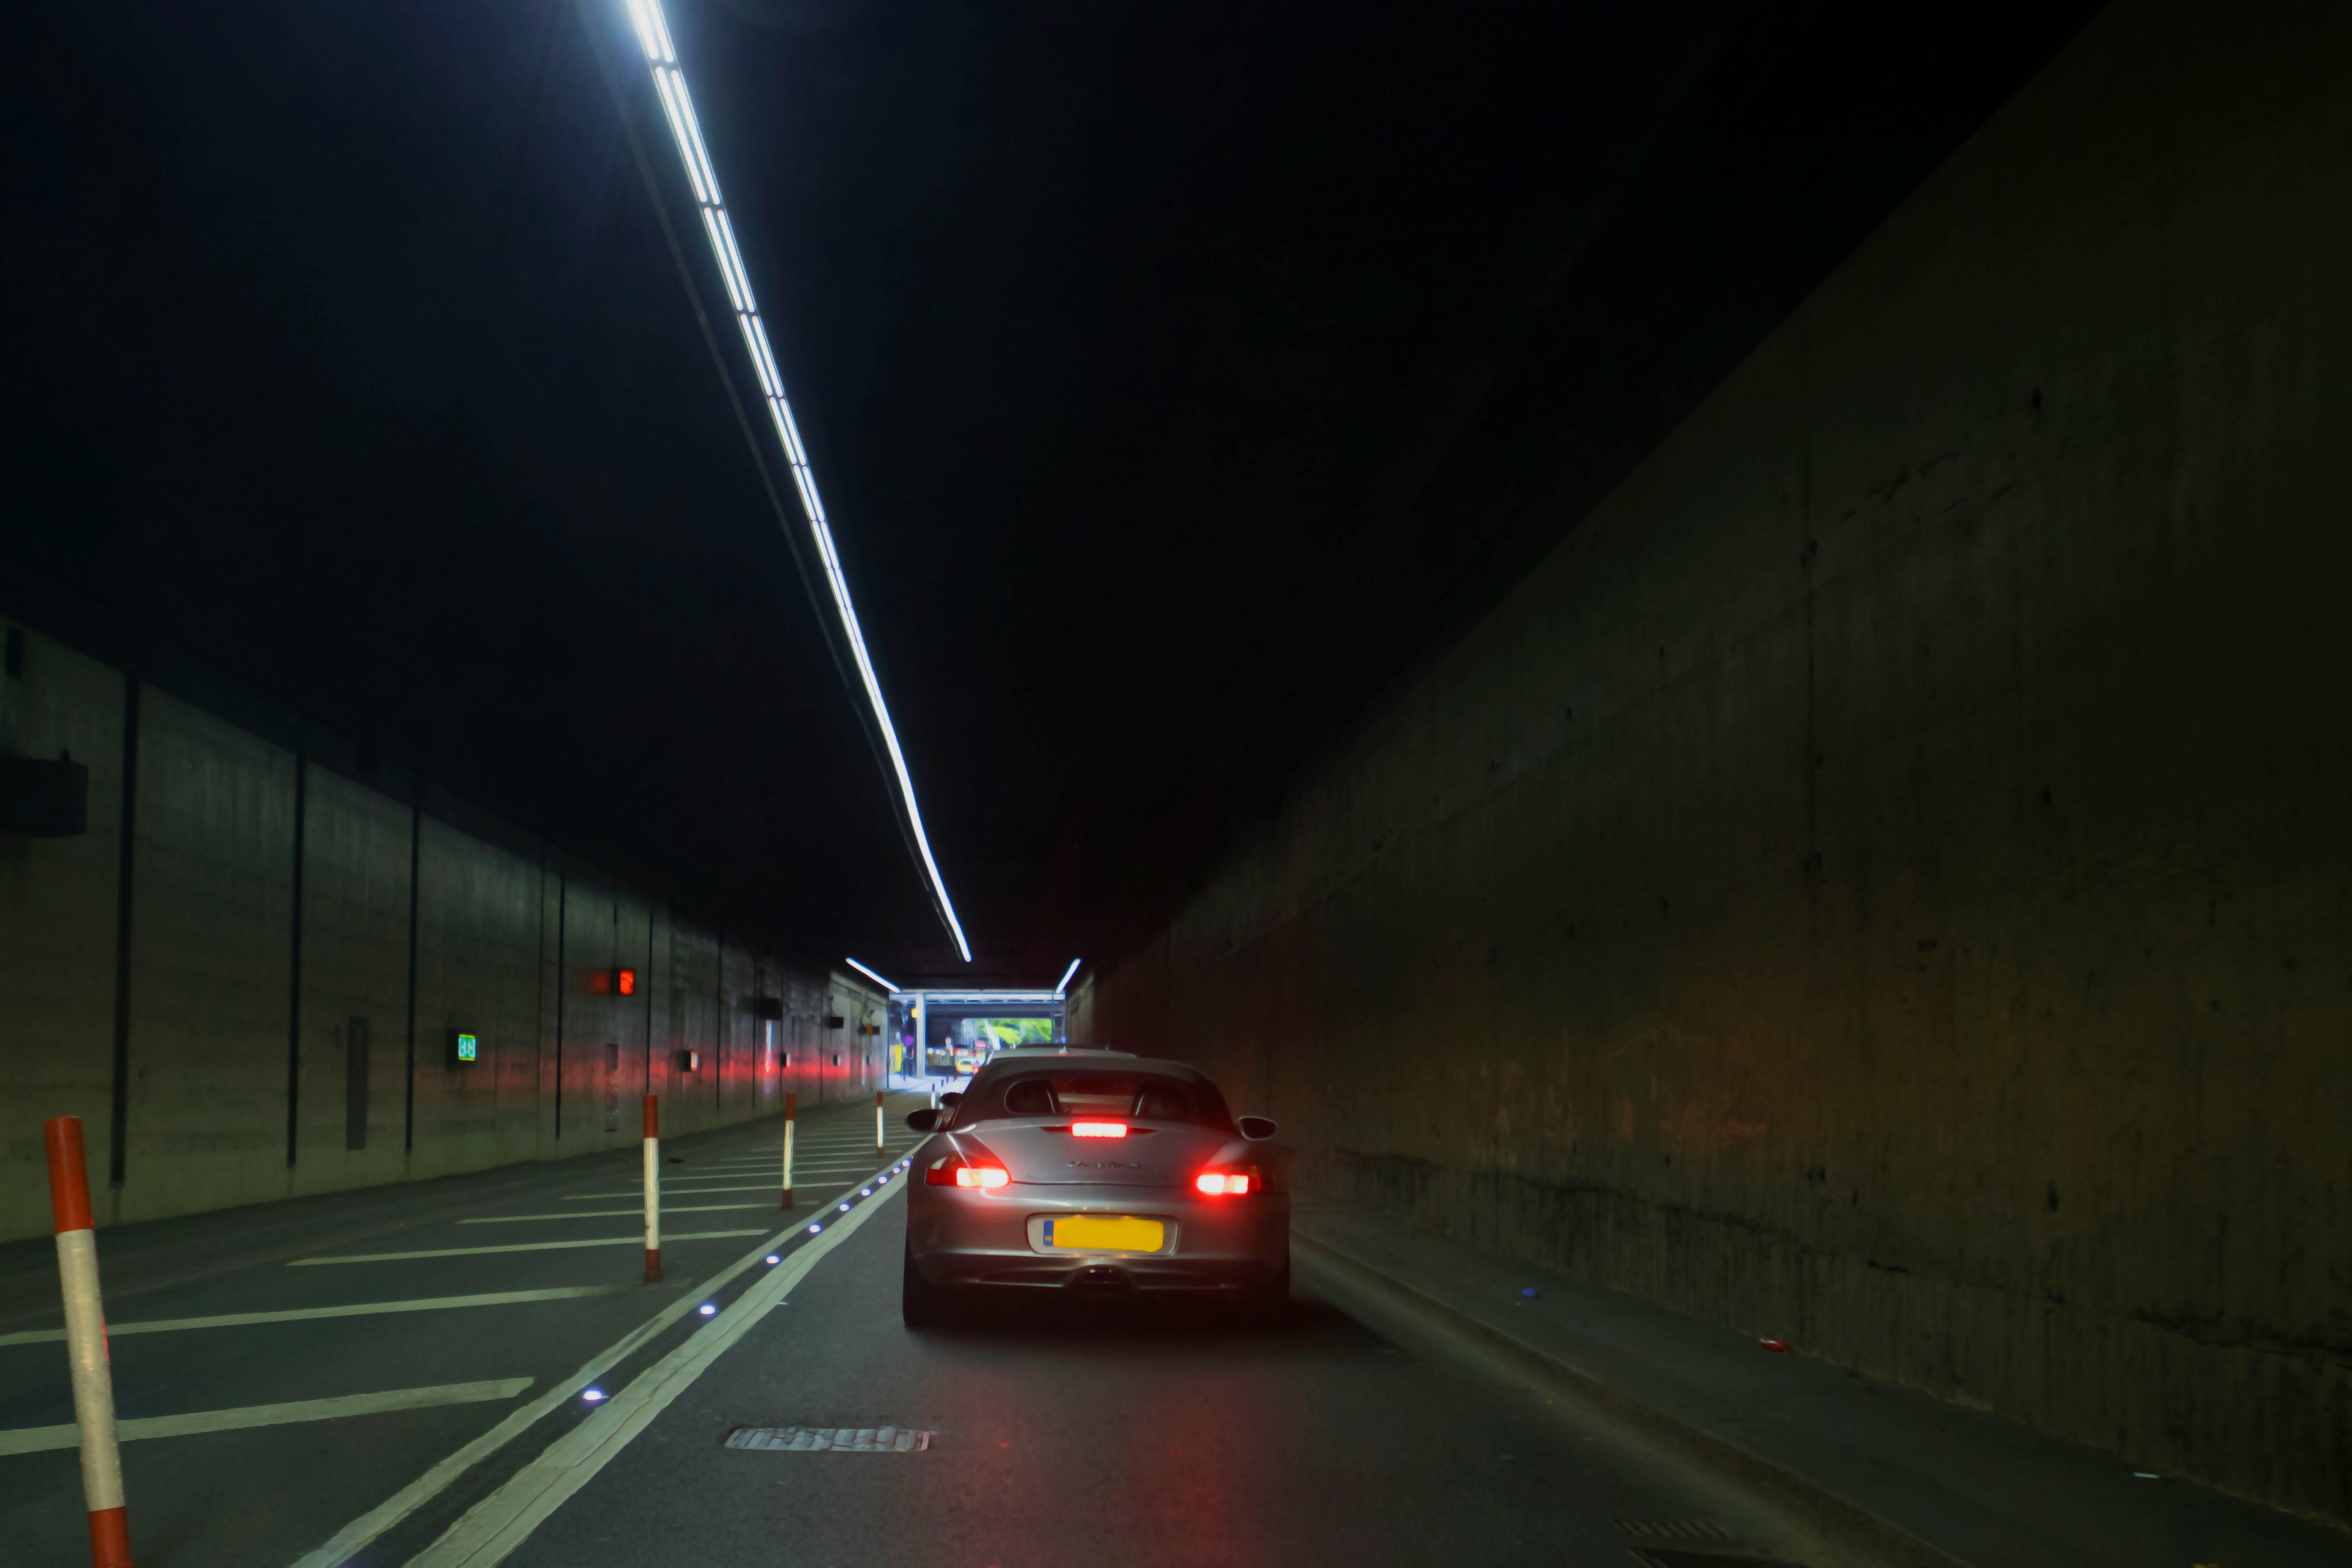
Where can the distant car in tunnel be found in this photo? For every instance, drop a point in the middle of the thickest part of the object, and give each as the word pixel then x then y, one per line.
pixel 1063 1172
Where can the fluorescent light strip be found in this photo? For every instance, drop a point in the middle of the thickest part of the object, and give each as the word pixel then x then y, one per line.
pixel 1064 983
pixel 677 106
pixel 868 972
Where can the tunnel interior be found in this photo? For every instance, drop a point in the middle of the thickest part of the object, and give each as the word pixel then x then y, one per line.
pixel 1697 641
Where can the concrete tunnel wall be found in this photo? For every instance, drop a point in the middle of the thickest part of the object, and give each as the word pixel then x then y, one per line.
pixel 513 943
pixel 1885 877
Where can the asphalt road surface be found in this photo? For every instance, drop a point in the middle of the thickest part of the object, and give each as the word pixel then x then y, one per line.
pixel 1344 1431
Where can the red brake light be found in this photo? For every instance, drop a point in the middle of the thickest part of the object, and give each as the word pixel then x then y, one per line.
pixel 1098 1129
pixel 959 1170
pixel 1224 1184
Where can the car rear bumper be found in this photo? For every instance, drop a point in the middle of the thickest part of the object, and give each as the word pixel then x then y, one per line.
pixel 960 1239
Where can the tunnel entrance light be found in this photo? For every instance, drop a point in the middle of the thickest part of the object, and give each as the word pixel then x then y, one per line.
pixel 887 986
pixel 678 108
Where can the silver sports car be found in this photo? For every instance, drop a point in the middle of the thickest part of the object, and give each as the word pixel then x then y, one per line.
pixel 1089 1171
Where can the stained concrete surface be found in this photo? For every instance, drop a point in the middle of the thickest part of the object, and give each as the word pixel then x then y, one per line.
pixel 1884 875
pixel 516 946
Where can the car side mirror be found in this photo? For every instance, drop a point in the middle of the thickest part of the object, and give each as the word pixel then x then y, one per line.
pixel 1257 1129
pixel 923 1121
pixel 950 1100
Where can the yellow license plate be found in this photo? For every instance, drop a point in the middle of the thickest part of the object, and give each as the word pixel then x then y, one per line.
pixel 1097 1233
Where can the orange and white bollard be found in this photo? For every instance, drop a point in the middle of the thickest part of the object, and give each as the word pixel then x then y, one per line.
pixel 881 1145
pixel 791 1115
pixel 653 1189
pixel 93 1382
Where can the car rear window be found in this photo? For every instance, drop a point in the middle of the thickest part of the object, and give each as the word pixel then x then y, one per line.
pixel 1145 1097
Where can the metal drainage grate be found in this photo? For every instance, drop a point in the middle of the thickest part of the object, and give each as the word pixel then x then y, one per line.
pixel 1674 1528
pixel 829 1439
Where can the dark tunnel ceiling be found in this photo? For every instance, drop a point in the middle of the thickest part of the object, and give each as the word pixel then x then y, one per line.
pixel 1179 376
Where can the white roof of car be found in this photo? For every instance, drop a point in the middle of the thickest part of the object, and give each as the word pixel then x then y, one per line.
pixel 1064 1051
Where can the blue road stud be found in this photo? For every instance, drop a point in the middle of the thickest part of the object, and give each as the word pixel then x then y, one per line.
pixel 1529 1293
pixel 814 1229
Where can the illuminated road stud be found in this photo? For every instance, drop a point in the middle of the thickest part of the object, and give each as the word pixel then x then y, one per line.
pixel 773 1258
pixel 93 1379
pixel 814 1229
pixel 708 1309
pixel 845 1208
pixel 591 1395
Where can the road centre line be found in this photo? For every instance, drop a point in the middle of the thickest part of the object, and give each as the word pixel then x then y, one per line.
pixel 356 1535
pixel 608 1213
pixel 500 1522
pixel 304 1314
pixel 36 1439
pixel 513 1247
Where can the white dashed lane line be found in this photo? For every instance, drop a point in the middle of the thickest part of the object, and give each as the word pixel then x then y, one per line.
pixel 503 1521
pixel 638 1240
pixel 371 1525
pixel 304 1314
pixel 35 1439
pixel 612 1213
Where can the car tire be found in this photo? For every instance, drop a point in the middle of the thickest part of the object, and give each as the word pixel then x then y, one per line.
pixel 1272 1300
pixel 920 1303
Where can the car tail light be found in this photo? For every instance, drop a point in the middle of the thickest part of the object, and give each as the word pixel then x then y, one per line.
pixel 1229 1183
pixel 976 1168
pixel 1098 1129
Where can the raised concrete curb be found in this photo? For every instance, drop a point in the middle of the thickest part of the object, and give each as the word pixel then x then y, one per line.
pixel 1868 1472
pixel 1853 1534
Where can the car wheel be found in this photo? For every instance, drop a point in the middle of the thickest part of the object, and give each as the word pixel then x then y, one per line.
pixel 1273 1297
pixel 920 1302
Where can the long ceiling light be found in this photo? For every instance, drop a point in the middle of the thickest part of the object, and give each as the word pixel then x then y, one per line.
pixel 669 83
pixel 869 975
pixel 1064 983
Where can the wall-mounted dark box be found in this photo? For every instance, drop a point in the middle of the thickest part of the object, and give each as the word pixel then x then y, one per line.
pixel 43 799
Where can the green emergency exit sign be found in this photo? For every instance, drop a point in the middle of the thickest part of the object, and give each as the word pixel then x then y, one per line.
pixel 465 1049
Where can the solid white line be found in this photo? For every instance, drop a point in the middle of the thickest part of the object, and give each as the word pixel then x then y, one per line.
pixel 766 1186
pixel 35 1439
pixel 355 1536
pixel 513 1247
pixel 300 1314
pixel 610 1213
pixel 503 1521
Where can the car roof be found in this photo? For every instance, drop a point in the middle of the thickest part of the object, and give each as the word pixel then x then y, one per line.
pixel 1087 1056
pixel 1064 1051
